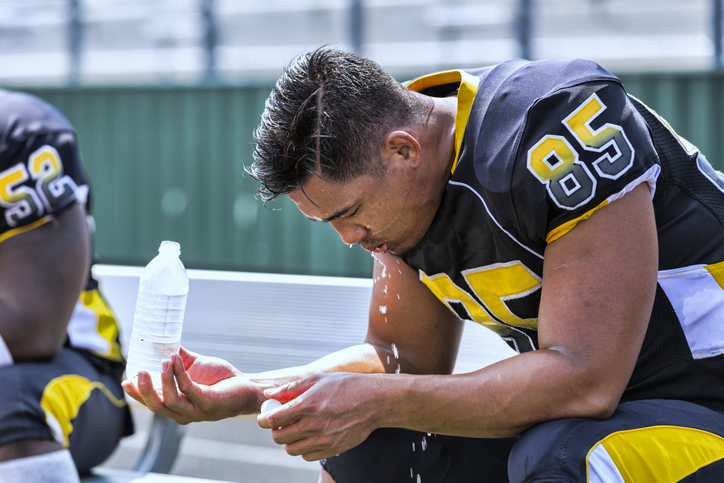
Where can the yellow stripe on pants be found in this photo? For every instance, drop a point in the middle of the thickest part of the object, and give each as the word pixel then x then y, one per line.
pixel 62 399
pixel 665 454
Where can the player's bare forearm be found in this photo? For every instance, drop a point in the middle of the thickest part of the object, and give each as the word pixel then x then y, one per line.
pixel 499 401
pixel 599 283
pixel 203 388
pixel 42 272
pixel 362 358
pixel 402 337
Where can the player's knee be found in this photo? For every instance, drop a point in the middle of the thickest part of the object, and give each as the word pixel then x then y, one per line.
pixel 24 448
pixel 540 453
pixel 56 466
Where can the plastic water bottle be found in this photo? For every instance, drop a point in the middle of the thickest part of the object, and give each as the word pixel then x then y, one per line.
pixel 158 320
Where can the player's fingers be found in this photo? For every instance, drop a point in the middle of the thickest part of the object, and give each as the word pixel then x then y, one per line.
pixel 132 391
pixel 312 446
pixel 187 357
pixel 318 455
pixel 309 450
pixel 279 418
pixel 168 384
pixel 190 390
pixel 289 391
pixel 172 398
pixel 147 391
pixel 153 399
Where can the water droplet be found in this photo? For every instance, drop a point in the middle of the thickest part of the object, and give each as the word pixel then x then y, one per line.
pixel 398 296
pixel 424 443
pixel 388 359
pixel 394 351
pixel 350 245
pixel 412 475
pixel 383 309
pixel 385 290
pixel 413 446
pixel 419 480
pixel 397 371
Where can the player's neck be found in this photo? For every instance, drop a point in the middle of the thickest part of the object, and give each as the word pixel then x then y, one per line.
pixel 437 142
pixel 440 135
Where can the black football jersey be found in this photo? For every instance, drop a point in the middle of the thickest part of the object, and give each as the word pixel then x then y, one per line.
pixel 40 168
pixel 41 174
pixel 541 146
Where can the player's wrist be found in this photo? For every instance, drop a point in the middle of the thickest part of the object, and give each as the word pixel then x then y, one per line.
pixel 391 394
pixel 251 401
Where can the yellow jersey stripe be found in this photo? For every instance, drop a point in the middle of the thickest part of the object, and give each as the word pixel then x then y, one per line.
pixel 561 230
pixel 717 271
pixel 466 94
pixel 106 326
pixel 23 229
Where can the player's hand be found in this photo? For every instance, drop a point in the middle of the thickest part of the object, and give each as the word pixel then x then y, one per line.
pixel 327 414
pixel 209 389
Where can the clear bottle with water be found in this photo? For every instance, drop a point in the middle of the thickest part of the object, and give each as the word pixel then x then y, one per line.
pixel 158 320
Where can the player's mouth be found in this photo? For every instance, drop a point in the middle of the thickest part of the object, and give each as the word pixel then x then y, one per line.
pixel 375 248
pixel 381 249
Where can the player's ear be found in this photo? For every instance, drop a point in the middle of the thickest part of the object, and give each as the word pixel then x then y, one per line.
pixel 401 147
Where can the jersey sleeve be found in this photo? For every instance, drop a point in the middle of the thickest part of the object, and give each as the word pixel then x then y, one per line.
pixel 41 171
pixel 583 147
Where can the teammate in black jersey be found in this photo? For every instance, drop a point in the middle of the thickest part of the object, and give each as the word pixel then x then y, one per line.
pixel 535 198
pixel 62 409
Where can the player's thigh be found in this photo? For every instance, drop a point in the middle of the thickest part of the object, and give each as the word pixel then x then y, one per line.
pixel 74 399
pixel 652 440
pixel 392 455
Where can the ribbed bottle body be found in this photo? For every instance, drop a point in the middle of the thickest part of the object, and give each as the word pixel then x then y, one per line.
pixel 159 314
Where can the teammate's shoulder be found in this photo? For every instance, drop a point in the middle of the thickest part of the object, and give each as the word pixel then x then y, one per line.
pixel 25 112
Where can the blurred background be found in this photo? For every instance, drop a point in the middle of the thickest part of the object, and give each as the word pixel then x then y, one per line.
pixel 165 95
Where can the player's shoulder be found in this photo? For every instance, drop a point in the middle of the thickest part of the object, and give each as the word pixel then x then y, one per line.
pixel 537 157
pixel 562 71
pixel 515 94
pixel 25 113
pixel 519 84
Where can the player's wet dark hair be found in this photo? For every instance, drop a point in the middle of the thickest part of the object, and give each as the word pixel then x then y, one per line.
pixel 327 116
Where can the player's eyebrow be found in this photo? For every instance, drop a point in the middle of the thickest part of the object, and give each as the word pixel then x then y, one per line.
pixel 333 216
pixel 338 214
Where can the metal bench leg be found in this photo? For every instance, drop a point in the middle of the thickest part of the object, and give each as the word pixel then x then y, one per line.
pixel 164 440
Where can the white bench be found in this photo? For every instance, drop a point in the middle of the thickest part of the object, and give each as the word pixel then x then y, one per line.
pixel 261 322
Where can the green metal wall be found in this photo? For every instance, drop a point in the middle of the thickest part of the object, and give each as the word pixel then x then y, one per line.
pixel 690 102
pixel 168 163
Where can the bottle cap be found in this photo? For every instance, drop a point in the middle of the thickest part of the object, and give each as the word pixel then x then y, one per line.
pixel 168 246
pixel 269 404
